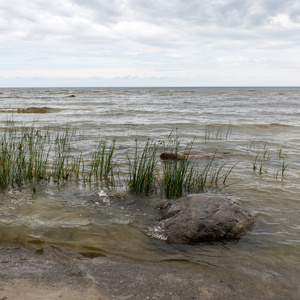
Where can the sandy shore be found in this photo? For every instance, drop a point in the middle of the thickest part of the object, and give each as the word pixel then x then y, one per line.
pixel 58 274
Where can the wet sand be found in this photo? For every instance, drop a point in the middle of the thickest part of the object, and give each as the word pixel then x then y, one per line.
pixel 59 274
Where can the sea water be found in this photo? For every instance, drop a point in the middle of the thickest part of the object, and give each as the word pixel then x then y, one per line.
pixel 255 129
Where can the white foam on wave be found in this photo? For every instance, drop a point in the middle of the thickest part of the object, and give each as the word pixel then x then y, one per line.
pixel 104 197
pixel 157 232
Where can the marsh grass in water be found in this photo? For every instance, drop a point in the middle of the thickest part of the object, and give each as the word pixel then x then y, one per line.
pixel 24 156
pixel 101 166
pixel 77 166
pixel 143 169
pixel 61 167
pixel 175 171
pixel 213 175
pixel 171 178
pixel 267 158
pixel 29 156
pixel 280 172
pixel 32 156
pixel 217 132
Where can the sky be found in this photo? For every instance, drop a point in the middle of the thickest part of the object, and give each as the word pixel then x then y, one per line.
pixel 123 43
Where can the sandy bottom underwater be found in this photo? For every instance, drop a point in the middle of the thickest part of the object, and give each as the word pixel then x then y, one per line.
pixel 59 274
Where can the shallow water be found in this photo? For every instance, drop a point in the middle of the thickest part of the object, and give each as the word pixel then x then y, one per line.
pixel 80 217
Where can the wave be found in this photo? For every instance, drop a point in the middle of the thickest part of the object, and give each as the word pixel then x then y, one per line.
pixel 13 97
pixel 37 110
pixel 176 92
pixel 30 110
pixel 261 126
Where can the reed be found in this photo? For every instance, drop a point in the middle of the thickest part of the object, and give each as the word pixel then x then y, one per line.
pixel 185 176
pixel 175 172
pixel 280 153
pixel 227 173
pixel 251 144
pixel 217 132
pixel 102 162
pixel 268 158
pixel 196 180
pixel 142 169
pixel 284 166
pixel 31 156
pixel 261 167
pixel 266 153
pixel 254 162
pixel 281 171
pixel 77 165
pixel 23 156
pixel 210 177
pixel 228 132
pixel 61 168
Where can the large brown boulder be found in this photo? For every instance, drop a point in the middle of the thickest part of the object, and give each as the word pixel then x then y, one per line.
pixel 205 217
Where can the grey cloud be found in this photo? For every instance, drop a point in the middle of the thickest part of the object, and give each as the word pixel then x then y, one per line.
pixel 274 7
pixel 139 25
pixel 105 11
pixel 230 13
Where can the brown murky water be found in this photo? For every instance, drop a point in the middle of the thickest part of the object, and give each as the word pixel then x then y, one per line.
pixel 82 218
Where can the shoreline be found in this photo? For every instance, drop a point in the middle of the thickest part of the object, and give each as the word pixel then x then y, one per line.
pixel 54 273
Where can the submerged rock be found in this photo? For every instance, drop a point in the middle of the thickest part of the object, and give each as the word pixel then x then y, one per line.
pixel 118 194
pixel 205 217
pixel 36 110
pixel 194 155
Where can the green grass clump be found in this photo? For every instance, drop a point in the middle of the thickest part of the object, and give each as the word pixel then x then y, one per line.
pixel 29 156
pixel 61 168
pixel 175 172
pixel 23 156
pixel 187 176
pixel 102 165
pixel 281 171
pixel 77 166
pixel 266 158
pixel 173 177
pixel 217 132
pixel 211 176
pixel 142 169
pixel 32 156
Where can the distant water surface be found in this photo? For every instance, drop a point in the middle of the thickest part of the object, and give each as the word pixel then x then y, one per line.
pixel 81 218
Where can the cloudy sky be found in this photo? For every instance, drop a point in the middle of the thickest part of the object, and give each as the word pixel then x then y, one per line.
pixel 149 43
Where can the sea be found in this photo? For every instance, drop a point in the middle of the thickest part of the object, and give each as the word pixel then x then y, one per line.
pixel 256 129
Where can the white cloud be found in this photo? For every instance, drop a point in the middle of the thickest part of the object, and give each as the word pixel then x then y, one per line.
pixel 147 39
pixel 283 21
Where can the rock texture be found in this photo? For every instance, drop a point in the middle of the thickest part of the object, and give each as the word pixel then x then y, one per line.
pixel 118 194
pixel 194 155
pixel 205 217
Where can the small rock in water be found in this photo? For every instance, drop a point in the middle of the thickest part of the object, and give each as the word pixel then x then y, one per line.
pixel 117 194
pixel 205 217
pixel 194 155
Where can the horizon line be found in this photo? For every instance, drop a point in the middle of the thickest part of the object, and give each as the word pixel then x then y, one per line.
pixel 215 86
